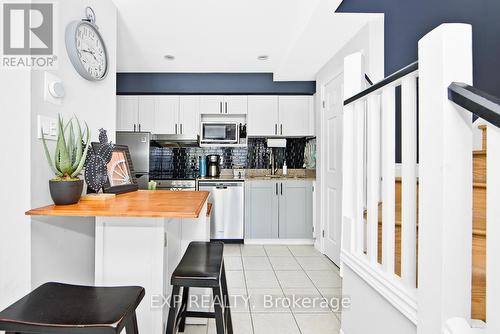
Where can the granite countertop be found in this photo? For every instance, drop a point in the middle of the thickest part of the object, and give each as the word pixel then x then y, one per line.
pixel 263 174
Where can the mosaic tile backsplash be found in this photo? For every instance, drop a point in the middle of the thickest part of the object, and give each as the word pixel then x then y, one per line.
pixel 167 162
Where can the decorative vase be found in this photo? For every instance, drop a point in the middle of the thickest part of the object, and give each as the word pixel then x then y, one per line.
pixel 66 192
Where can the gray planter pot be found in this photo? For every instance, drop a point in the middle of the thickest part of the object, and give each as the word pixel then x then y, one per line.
pixel 65 192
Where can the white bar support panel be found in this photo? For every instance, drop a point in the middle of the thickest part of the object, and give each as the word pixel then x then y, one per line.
pixel 373 176
pixel 388 172
pixel 445 179
pixel 493 228
pixel 409 181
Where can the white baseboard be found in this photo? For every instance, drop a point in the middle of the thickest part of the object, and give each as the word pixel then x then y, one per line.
pixel 279 241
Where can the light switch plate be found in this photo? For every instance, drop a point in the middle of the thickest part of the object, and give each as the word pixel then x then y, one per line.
pixel 48 79
pixel 49 127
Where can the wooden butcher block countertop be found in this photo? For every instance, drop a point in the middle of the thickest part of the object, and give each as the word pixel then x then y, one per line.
pixel 141 203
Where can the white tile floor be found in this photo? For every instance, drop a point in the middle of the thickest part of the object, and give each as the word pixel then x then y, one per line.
pixel 281 274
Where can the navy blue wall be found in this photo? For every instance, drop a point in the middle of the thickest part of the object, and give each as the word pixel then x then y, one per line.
pixel 406 21
pixel 209 83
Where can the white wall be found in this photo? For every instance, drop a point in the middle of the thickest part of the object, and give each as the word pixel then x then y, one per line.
pixel 15 190
pixel 62 249
pixel 369 311
pixel 370 41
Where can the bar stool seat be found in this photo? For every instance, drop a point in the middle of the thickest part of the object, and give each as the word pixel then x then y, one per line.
pixel 72 309
pixel 202 266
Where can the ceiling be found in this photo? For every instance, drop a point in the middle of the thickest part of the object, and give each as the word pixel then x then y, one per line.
pixel 228 35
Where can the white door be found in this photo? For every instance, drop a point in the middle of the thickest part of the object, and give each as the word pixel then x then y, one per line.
pixel 263 115
pixel 332 167
pixel 211 104
pixel 167 115
pixel 295 115
pixel 189 115
pixel 127 113
pixel 147 109
pixel 235 104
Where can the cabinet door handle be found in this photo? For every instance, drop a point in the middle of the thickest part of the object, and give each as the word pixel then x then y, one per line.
pixel 220 107
pixel 176 128
pixel 281 190
pixel 276 128
pixel 139 127
pixel 281 129
pixel 134 127
pixel 225 105
pixel 276 189
pixel 180 125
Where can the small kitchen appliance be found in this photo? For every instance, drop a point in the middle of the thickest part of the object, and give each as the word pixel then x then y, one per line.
pixel 213 168
pixel 219 133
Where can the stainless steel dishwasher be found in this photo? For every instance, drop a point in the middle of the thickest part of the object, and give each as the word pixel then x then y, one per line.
pixel 228 199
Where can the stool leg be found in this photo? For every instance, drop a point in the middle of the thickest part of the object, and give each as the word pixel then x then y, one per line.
pixel 172 315
pixel 219 317
pixel 227 304
pixel 131 326
pixel 184 305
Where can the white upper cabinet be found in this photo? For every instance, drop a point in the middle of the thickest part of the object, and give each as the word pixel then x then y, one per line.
pixel 296 116
pixel 146 115
pixel 283 116
pixel 219 104
pixel 127 113
pixel 235 104
pixel 189 115
pixel 263 117
pixel 167 114
pixel 211 104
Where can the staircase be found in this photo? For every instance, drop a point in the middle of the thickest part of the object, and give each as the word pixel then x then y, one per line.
pixel 479 231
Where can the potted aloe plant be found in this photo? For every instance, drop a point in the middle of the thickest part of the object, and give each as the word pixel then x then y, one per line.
pixel 68 161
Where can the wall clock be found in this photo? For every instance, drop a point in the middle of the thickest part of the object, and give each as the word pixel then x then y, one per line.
pixel 86 48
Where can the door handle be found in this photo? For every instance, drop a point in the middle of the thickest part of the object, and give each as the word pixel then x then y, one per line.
pixel 281 128
pixel 180 125
pixel 139 127
pixel 225 106
pixel 134 127
pixel 176 128
pixel 281 191
pixel 220 107
pixel 276 128
pixel 276 189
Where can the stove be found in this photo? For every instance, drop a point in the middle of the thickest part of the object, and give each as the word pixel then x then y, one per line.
pixel 174 181
pixel 176 184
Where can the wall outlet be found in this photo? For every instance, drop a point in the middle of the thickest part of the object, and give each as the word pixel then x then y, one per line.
pixel 47 125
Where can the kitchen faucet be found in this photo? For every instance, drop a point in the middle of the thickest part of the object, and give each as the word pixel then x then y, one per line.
pixel 274 168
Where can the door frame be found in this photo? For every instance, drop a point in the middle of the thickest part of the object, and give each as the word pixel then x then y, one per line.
pixel 322 156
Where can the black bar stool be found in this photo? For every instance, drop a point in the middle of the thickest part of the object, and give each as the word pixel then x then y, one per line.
pixel 202 266
pixel 56 308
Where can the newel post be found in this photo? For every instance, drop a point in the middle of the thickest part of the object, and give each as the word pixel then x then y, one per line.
pixel 445 176
pixel 353 84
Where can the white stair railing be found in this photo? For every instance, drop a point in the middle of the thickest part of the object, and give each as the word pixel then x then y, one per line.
pixel 445 185
pixel 370 178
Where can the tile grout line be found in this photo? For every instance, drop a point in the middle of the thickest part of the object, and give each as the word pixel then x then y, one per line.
pixel 250 313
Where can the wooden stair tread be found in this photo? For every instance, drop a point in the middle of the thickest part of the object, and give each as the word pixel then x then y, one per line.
pixel 479 152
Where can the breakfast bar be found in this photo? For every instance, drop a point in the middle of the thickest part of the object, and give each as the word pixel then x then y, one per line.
pixel 140 238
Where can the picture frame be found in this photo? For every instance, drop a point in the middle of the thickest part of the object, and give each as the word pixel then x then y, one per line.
pixel 121 176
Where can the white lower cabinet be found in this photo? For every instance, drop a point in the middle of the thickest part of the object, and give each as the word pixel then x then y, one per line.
pixel 279 209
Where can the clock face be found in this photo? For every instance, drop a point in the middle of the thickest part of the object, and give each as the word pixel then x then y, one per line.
pixel 91 51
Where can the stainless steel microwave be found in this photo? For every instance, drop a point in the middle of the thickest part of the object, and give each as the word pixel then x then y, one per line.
pixel 219 132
